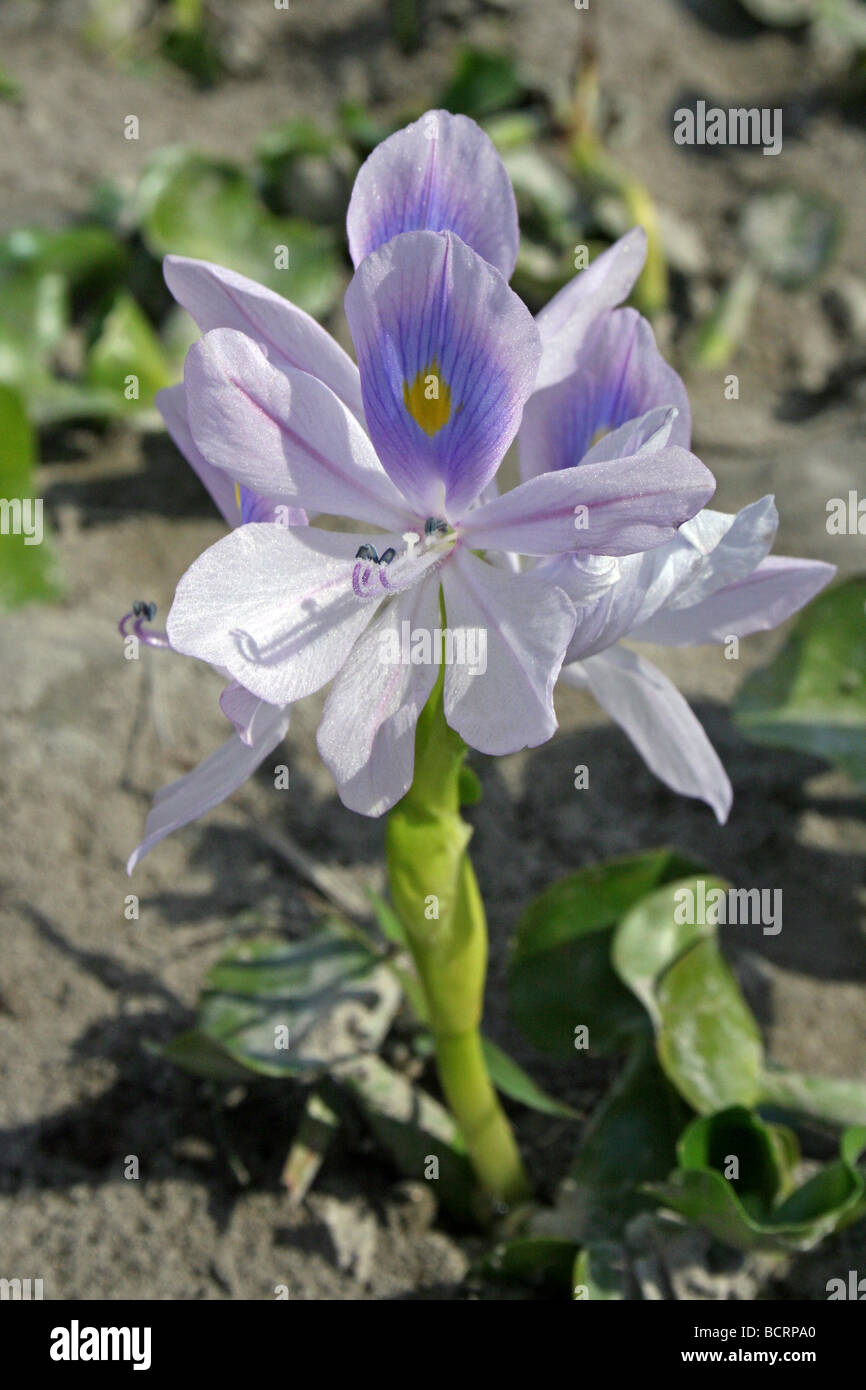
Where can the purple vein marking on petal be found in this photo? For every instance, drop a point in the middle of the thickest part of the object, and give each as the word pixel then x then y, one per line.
pixel 265 337
pixel 620 386
pixel 359 480
pixel 565 509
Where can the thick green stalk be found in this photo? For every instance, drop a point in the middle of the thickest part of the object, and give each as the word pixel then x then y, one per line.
pixel 435 893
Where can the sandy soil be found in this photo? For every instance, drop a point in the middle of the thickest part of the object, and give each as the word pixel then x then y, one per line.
pixel 86 736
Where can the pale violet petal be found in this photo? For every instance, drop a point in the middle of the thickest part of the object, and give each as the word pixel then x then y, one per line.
pixel 524 624
pixel 220 298
pixel 775 590
pixel 211 782
pixel 604 508
pixel 660 724
pixel 283 434
pixel 448 355
pixel 275 607
pixel 440 174
pixel 564 322
pixel 367 733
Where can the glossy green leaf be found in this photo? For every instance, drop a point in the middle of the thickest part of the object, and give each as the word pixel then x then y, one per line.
pixel 630 1139
pixel 708 1041
pixel 34 315
pixel 741 1216
pixel 192 205
pixel 128 358
pixel 560 975
pixel 652 935
pixel 830 1098
pixel 510 1078
pixel 812 696
pixel 483 83
pixel 25 561
pixel 329 996
pixel 766 1155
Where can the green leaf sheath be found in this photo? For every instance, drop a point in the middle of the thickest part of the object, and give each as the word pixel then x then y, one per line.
pixel 435 892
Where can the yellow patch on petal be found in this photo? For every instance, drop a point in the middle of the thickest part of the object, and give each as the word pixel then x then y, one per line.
pixel 238 495
pixel 428 399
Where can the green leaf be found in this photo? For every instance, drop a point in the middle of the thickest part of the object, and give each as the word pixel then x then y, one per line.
pixel 740 1215
pixel 83 255
pixel 128 347
pixel 469 787
pixel 413 1128
pixel 812 696
pixel 790 235
pixel 361 129
pixel 540 1260
pixel 316 1133
pixel 192 205
pixel 560 975
pixel 392 927
pixel 767 1155
pixel 37 271
pixel 708 1041
pixel 630 1139
pixel 599 1273
pixel 330 992
pixel 307 171
pixel 829 1098
pixel 651 937
pixel 34 316
pixel 511 130
pixel 510 1078
pixel 483 83
pixel 25 567
pixel 199 1055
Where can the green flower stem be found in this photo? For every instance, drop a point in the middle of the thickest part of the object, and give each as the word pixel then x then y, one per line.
pixel 435 893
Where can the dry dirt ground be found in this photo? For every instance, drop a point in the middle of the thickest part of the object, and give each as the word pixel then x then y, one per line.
pixel 84 741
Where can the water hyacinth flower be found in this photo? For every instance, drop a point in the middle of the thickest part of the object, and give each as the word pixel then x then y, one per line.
pixel 602 391
pixel 453 179
pixel 715 581
pixel 447 358
pixel 259 727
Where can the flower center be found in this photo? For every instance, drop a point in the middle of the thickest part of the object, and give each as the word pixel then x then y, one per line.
pixel 428 398
pixel 372 573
